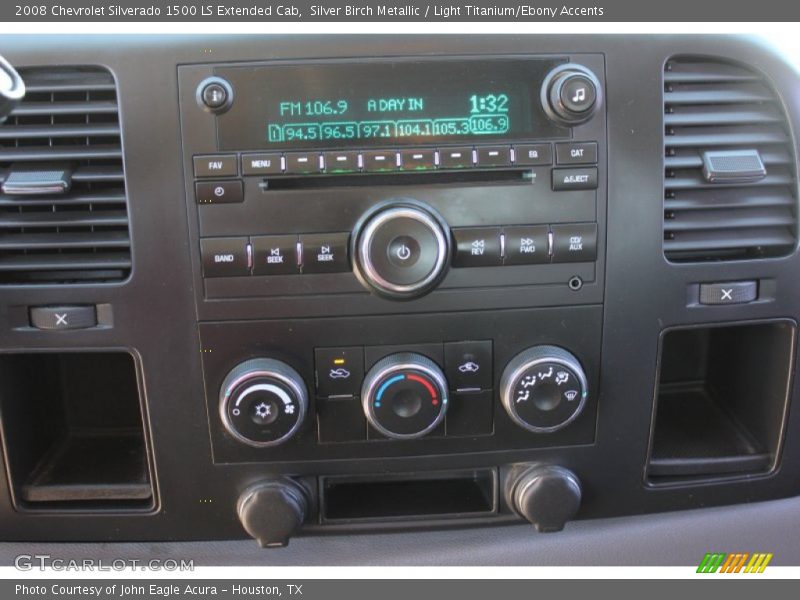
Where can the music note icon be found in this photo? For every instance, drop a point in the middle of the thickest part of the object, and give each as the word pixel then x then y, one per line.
pixel 580 95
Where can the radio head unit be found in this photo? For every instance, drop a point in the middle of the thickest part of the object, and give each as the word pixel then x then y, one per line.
pixel 379 103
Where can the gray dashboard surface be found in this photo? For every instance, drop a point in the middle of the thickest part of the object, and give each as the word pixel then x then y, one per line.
pixel 668 539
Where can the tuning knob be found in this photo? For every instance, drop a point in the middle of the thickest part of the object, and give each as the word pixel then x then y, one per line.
pixel 546 496
pixel 401 249
pixel 271 511
pixel 404 396
pixel 571 94
pixel 263 402
pixel 543 389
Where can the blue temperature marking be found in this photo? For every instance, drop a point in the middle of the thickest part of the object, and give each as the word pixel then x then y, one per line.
pixel 386 384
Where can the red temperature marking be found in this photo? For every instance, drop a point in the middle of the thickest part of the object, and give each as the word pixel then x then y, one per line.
pixel 426 383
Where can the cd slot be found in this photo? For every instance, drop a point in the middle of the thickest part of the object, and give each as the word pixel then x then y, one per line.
pixel 473 176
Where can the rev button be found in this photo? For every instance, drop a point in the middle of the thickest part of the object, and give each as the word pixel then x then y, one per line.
pixel 477 247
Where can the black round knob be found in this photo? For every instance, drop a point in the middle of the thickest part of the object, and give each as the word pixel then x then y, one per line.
pixel 546 496
pixel 401 249
pixel 214 95
pixel 271 511
pixel 263 402
pixel 543 389
pixel 571 94
pixel 404 396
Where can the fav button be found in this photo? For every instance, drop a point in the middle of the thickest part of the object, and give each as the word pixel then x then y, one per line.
pixel 215 165
pixel 224 257
pixel 219 192
pixel 325 252
pixel 477 247
pixel 468 365
pixel 275 255
pixel 575 242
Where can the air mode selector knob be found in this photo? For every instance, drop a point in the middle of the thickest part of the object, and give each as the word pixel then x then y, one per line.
pixel 543 389
pixel 404 396
pixel 401 249
pixel 263 402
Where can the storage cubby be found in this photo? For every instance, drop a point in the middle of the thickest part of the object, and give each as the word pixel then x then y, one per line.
pixel 721 401
pixel 73 431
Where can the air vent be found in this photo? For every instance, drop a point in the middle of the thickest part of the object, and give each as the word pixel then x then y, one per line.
pixel 63 210
pixel 722 115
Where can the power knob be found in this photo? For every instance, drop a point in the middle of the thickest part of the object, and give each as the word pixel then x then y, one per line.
pixel 571 94
pixel 401 249
pixel 543 389
pixel 263 402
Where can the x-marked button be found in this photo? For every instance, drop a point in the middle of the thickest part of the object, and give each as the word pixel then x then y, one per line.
pixel 734 292
pixel 61 318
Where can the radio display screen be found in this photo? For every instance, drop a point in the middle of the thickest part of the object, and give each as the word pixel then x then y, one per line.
pixel 384 103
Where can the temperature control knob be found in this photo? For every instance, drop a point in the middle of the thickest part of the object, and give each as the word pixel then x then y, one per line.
pixel 401 249
pixel 571 94
pixel 543 389
pixel 263 402
pixel 404 396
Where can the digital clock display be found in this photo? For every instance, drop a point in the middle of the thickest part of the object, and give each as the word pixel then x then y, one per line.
pixel 385 104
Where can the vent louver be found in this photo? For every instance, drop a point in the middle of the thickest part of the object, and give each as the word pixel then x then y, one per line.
pixel 68 124
pixel 714 107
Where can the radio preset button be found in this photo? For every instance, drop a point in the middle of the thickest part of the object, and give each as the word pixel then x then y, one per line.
pixel 302 162
pixel 494 156
pixel 274 254
pixel 261 164
pixel 341 162
pixel 224 257
pixel 215 165
pixel 420 159
pixel 527 245
pixel 325 252
pixel 380 160
pixel 575 242
pixel 455 158
pixel 576 153
pixel 477 247
pixel 574 179
pixel 219 192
